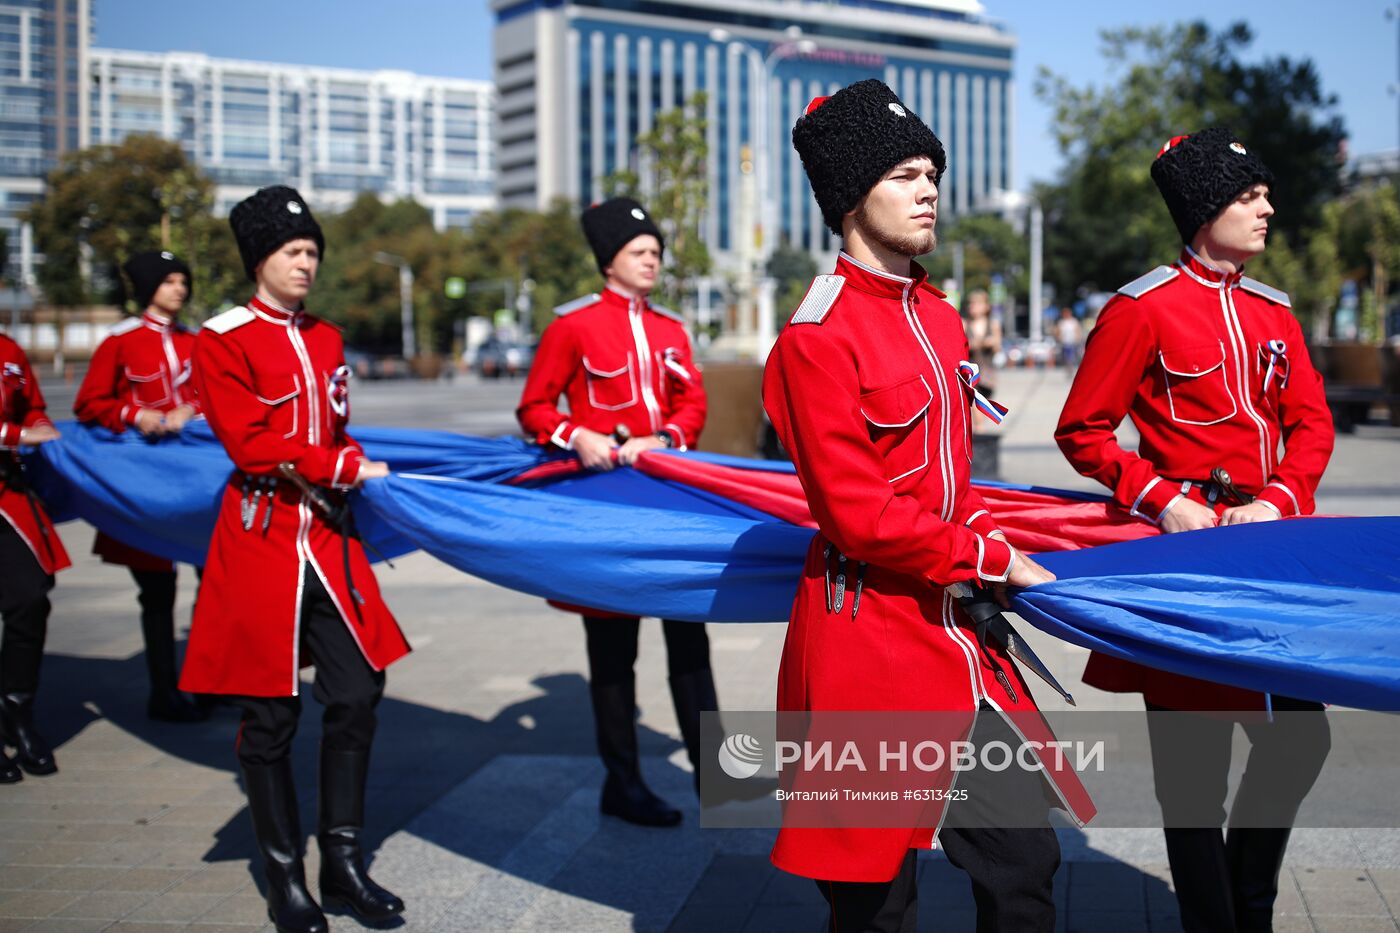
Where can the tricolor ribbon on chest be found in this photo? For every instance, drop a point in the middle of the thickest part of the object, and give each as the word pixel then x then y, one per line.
pixel 338 391
pixel 971 374
pixel 672 360
pixel 1276 350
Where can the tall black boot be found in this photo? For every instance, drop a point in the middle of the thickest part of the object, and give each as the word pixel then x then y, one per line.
pixel 272 801
pixel 625 794
pixel 694 694
pixel 9 771
pixel 344 880
pixel 1256 859
pixel 157 598
pixel 33 753
pixel 1201 876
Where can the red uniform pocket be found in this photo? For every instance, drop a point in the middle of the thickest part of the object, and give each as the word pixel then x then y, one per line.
pixel 1198 392
pixel 149 391
pixel 610 387
pixel 897 418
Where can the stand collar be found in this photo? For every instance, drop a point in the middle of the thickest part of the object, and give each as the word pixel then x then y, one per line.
pixel 1206 274
pixel 882 284
pixel 275 313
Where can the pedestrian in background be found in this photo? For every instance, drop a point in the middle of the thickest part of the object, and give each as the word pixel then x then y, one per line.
pixel 1070 336
pixel 983 338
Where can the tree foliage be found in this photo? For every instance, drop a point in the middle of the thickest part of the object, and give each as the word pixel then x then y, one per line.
pixel 1106 221
pixel 496 257
pixel 991 246
pixel 671 178
pixel 105 203
pixel 792 271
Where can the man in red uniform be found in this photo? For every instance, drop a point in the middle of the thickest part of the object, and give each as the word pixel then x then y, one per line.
pixel 625 367
pixel 868 389
pixel 287 583
pixel 30 554
pixel 1211 367
pixel 140 378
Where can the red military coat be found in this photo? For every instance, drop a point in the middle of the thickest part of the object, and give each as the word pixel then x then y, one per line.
pixel 22 406
pixel 617 360
pixel 864 391
pixel 275 388
pixel 144 363
pixel 1213 371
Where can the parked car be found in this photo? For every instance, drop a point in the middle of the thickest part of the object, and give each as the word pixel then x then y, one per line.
pixel 497 358
pixel 375 365
pixel 1022 352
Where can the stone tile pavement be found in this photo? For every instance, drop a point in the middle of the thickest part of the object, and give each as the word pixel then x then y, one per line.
pixel 483 795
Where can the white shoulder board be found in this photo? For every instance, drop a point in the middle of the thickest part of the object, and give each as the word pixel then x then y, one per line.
pixel 821 295
pixel 667 312
pixel 1267 292
pixel 125 326
pixel 569 307
pixel 233 317
pixel 1143 284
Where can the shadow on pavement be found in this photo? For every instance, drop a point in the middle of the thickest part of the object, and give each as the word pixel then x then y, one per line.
pixel 422 753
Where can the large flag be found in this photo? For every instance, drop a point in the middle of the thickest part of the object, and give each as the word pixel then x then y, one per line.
pixel 1307 607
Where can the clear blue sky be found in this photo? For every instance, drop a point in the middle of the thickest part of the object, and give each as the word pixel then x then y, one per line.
pixel 1351 42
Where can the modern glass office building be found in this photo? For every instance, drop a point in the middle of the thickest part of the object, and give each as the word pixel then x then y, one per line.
pixel 43 44
pixel 578 81
pixel 332 133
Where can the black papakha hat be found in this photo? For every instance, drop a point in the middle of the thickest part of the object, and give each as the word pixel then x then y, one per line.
pixel 615 223
pixel 849 140
pixel 269 217
pixel 1200 174
pixel 147 270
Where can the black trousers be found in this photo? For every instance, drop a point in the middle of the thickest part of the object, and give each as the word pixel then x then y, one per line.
pixel 1012 870
pixel 24 607
pixel 155 592
pixel 1223 885
pixel 345 685
pixel 612 648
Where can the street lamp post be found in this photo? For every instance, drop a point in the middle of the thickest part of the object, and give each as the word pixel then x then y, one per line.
pixel 1015 202
pixel 410 344
pixel 793 46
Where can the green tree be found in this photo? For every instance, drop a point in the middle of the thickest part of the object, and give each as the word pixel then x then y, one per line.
pixel 1358 239
pixel 1106 221
pixel 792 271
pixel 497 256
pixel 671 160
pixel 104 203
pixel 991 246
pixel 546 248
pixel 362 295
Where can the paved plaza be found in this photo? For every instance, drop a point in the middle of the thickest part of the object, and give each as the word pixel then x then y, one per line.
pixel 484 788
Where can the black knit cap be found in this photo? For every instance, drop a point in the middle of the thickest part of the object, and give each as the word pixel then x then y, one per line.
pixel 266 219
pixel 615 223
pixel 848 141
pixel 1200 174
pixel 147 270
